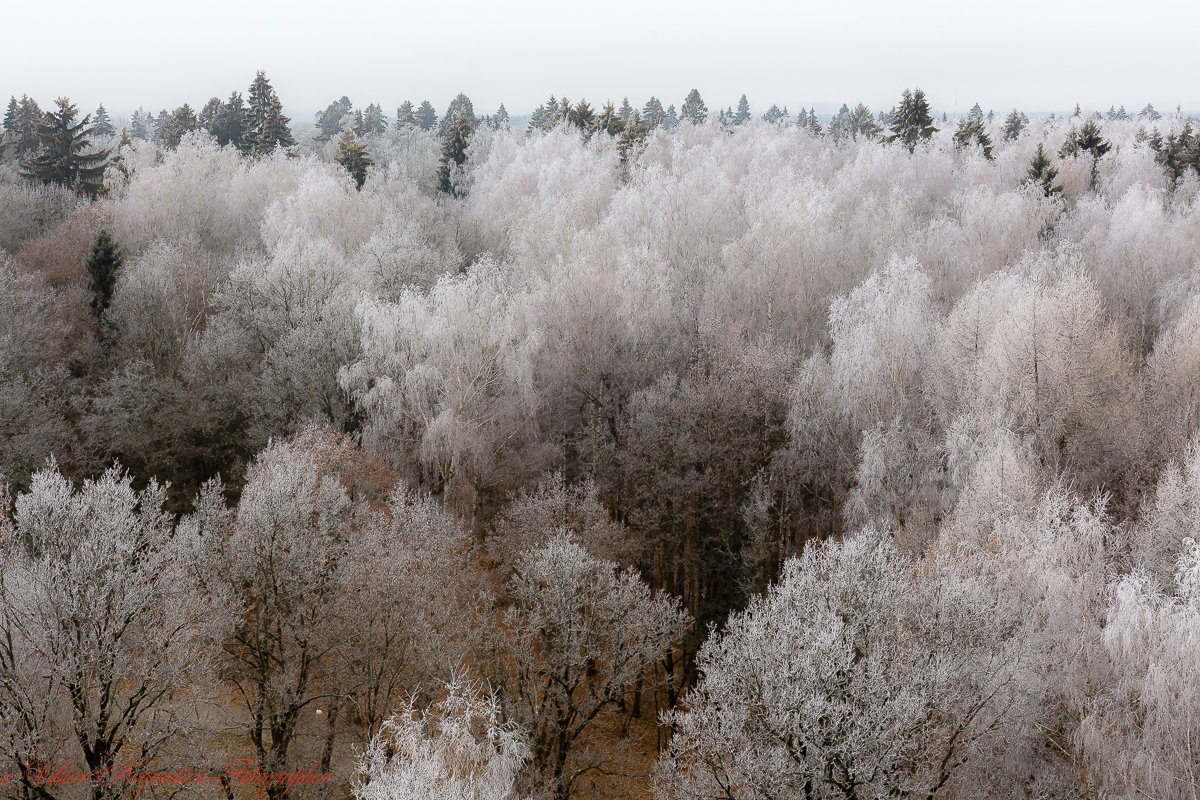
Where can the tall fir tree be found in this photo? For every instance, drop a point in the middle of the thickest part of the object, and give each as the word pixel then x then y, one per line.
pixel 65 154
pixel 609 121
pixel 427 118
pixel 181 122
pixel 374 120
pixel 694 110
pixel 353 155
pixel 742 115
pixel 103 123
pixel 28 119
pixel 582 116
pixel 773 115
pixel 1042 173
pixel 1014 123
pixel 500 118
pixel 976 112
pixel 626 110
pixel 671 119
pixel 231 124
pixel 460 106
pixel 329 123
pixel 276 131
pixel 10 115
pixel 140 125
pixel 1087 138
pixel 633 139
pixel 913 121
pixel 454 153
pixel 102 264
pixel 972 131
pixel 267 126
pixel 653 114
pixel 209 114
pixel 406 117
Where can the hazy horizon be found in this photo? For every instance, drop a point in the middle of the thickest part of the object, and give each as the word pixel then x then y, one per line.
pixel 1028 56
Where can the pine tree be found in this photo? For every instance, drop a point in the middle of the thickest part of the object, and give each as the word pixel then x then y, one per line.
pixel 139 127
pixel 653 114
pixel 742 114
pixel 64 158
pixel 10 116
pixel 426 117
pixel 102 264
pixel 1014 123
pixel 406 117
pixel 329 123
pixel 633 138
pixel 374 120
pixel 25 127
pixel 267 126
pixel 209 115
pixel 454 152
pixel 1149 113
pixel 839 125
pixel 694 110
pixel 181 122
pixel 357 124
pixel 671 120
pixel 354 157
pixel 773 115
pixel 609 121
pixel 971 130
pixel 160 126
pixel 1042 173
pixel 275 132
pixel 913 122
pixel 812 125
pixel 975 112
pixel 230 124
pixel 103 123
pixel 626 110
pixel 1087 138
pixel 500 118
pixel 460 106
pixel 1179 152
pixel 582 116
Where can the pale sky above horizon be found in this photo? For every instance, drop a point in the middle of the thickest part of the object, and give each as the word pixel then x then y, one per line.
pixel 1036 56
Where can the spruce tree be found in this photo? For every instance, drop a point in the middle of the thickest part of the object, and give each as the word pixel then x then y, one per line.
pixel 500 118
pixel 913 121
pixel 972 130
pixel 1087 138
pixel 813 125
pixel 406 117
pixel 454 152
pixel 374 120
pixel 354 157
pixel 773 116
pixel 103 123
pixel 609 121
pixel 276 131
pixel 426 117
pixel 181 122
pixel 209 115
pixel 10 116
pixel 633 138
pixel 64 158
pixel 694 110
pixel 671 120
pixel 267 126
pixel 976 112
pixel 329 123
pixel 742 115
pixel 102 264
pixel 1042 173
pixel 582 116
pixel 653 114
pixel 231 124
pixel 626 110
pixel 160 126
pixel 29 119
pixel 1149 113
pixel 1014 123
pixel 139 127
pixel 460 106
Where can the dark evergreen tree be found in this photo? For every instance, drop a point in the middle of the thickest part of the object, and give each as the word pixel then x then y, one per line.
pixel 426 117
pixel 913 122
pixel 972 131
pixel 694 110
pixel 460 106
pixel 103 124
pixel 633 138
pixel 608 121
pixel 582 116
pixel 1149 113
pixel 357 124
pixel 1178 152
pixel 230 125
pixel 10 116
pixel 209 114
pixel 406 117
pixel 140 125
pixel 671 119
pixel 976 112
pixel 454 152
pixel 29 119
pixel 329 123
pixel 773 116
pixel 181 122
pixel 653 115
pixel 1087 138
pixel 374 120
pixel 626 110
pixel 500 118
pixel 1014 123
pixel 811 123
pixel 1042 173
pixel 276 131
pixel 353 155
pixel 65 155
pixel 742 115
pixel 103 263
pixel 160 126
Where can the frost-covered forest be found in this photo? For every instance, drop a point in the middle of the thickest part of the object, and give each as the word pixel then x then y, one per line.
pixel 623 453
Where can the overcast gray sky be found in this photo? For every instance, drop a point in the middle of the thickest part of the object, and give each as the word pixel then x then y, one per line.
pixel 1031 54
